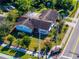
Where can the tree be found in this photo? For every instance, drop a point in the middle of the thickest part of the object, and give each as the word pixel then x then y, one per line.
pixel 12 15
pixel 20 34
pixel 35 49
pixel 19 42
pixel 10 39
pixel 63 4
pixel 26 41
pixel 24 5
pixel 5 27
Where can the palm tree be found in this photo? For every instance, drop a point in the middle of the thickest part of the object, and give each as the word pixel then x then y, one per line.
pixel 10 39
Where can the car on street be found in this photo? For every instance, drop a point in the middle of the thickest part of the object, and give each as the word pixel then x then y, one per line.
pixel 7 8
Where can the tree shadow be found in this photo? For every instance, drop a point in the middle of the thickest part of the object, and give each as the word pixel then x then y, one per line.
pixel 19 34
pixel 19 54
pixel 6 48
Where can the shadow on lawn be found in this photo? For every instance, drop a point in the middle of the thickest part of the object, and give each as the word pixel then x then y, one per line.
pixel 5 48
pixel 20 34
pixel 19 54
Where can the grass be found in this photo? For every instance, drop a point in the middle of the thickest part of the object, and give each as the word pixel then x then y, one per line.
pixel 7 51
pixel 60 35
pixel 40 10
pixel 1 12
pixel 68 20
pixel 72 13
pixel 26 56
pixel 34 43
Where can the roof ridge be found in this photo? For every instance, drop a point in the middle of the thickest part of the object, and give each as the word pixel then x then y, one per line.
pixel 47 14
pixel 25 21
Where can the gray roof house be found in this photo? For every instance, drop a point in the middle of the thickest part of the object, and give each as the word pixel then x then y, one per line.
pixel 37 23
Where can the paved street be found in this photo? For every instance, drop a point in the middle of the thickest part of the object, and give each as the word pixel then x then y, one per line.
pixel 71 50
pixel 70 47
pixel 76 51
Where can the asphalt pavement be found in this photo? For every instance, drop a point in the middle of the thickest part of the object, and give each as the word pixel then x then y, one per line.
pixel 76 51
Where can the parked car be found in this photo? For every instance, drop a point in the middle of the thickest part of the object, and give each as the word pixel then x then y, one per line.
pixel 7 8
pixel 55 51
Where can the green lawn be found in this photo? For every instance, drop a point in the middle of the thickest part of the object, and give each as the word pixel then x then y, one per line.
pixel 72 13
pixel 60 35
pixel 7 51
pixel 34 43
pixel 29 56
pixel 68 20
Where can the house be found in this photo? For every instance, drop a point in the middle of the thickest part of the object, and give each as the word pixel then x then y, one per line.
pixel 32 22
pixel 5 1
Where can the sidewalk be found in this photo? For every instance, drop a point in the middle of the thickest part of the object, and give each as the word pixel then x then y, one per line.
pixel 66 36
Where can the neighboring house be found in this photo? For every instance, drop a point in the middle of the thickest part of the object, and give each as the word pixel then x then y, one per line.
pixel 37 23
pixel 5 1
